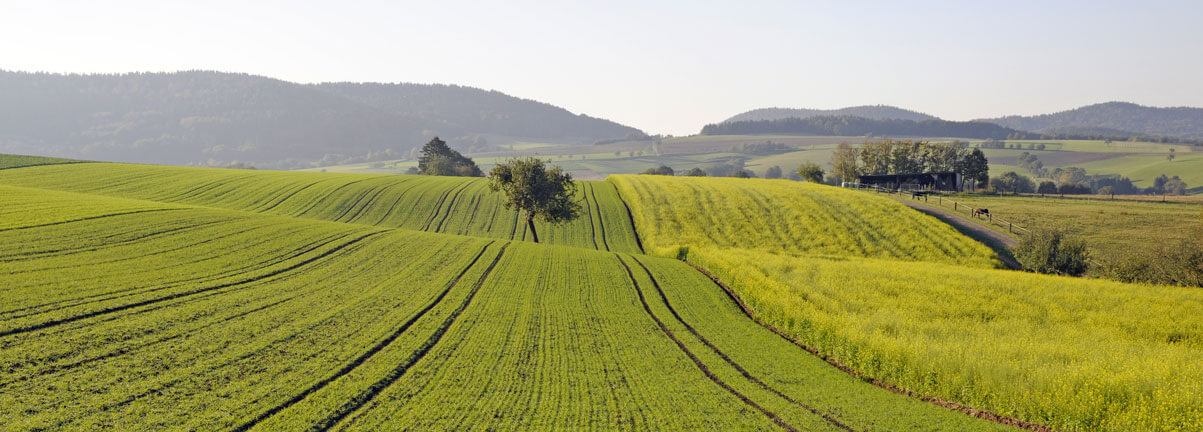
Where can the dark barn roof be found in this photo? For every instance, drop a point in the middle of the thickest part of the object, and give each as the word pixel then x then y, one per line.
pixel 936 180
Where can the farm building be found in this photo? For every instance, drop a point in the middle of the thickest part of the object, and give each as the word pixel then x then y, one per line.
pixel 943 181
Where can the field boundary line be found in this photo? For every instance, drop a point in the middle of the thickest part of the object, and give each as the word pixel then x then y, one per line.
pixel 697 361
pixel 731 361
pixel 363 358
pixel 986 415
pixel 375 389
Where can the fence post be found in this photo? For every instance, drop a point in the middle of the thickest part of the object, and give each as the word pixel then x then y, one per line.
pixel 1011 228
pixel 954 205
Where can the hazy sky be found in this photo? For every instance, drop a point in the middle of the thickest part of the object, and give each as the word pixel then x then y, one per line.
pixel 665 67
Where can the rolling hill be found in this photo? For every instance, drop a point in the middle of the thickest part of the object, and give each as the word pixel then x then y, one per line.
pixel 875 112
pixel 216 118
pixel 148 297
pixel 1114 117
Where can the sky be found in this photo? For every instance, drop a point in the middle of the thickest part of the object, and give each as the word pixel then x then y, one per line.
pixel 665 67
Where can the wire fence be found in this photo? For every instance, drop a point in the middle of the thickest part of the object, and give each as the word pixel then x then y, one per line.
pixel 981 215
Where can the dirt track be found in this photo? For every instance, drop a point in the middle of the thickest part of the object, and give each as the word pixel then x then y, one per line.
pixel 999 242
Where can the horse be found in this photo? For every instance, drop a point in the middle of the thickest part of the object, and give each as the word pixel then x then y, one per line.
pixel 981 212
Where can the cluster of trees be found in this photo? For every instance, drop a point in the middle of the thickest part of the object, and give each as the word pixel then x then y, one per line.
pixel 909 157
pixel 857 126
pixel 1075 181
pixel 1052 251
pixel 660 170
pixel 439 159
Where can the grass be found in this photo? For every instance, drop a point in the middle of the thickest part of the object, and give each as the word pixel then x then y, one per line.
pixel 886 292
pixel 124 315
pixel 1112 229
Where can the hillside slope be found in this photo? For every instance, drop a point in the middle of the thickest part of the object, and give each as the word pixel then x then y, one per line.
pixel 212 117
pixel 129 314
pixel 875 112
pixel 454 205
pixel 1183 122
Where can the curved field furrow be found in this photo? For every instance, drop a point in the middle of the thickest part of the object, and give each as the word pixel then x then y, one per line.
pixel 698 362
pixel 438 204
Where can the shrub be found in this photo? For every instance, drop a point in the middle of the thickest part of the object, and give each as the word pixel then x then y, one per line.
pixel 1052 251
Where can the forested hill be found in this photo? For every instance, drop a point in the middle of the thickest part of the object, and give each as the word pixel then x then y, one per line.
pixel 1182 122
pixel 217 118
pixel 875 112
pixel 852 126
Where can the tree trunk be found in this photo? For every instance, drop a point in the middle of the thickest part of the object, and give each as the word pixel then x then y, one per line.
pixel 530 225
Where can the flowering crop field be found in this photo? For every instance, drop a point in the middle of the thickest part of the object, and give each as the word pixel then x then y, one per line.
pixel 453 205
pixel 1068 353
pixel 127 314
pixel 790 217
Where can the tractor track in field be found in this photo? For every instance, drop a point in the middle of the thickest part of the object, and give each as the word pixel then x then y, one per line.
pixel 370 393
pixel 631 217
pixel 450 206
pixel 601 224
pixel 92 248
pixel 743 371
pixel 281 200
pixel 91 218
pixel 112 295
pixel 382 344
pixel 697 361
pixel 114 309
pixel 54 369
pixel 985 415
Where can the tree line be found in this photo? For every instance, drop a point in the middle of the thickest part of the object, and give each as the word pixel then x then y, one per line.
pixel 909 157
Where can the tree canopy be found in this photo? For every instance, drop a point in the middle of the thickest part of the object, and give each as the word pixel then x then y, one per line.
pixel 537 190
pixel 439 159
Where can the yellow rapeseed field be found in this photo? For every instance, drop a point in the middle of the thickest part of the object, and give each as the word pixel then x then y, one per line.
pixel 1070 353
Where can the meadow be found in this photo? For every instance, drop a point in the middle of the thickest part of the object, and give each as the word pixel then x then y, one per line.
pixel 935 320
pixel 1112 229
pixel 134 314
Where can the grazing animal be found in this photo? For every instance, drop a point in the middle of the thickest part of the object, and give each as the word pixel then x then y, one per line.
pixel 981 212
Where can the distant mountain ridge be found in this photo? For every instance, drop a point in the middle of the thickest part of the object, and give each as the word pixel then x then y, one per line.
pixel 202 117
pixel 857 126
pixel 1182 122
pixel 872 112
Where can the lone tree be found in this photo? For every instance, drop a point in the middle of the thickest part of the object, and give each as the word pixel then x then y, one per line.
pixel 536 190
pixel 439 159
pixel 811 172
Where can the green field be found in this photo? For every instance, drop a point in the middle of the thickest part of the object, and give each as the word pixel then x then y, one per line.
pixel 144 297
pixel 131 314
pixel 433 204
